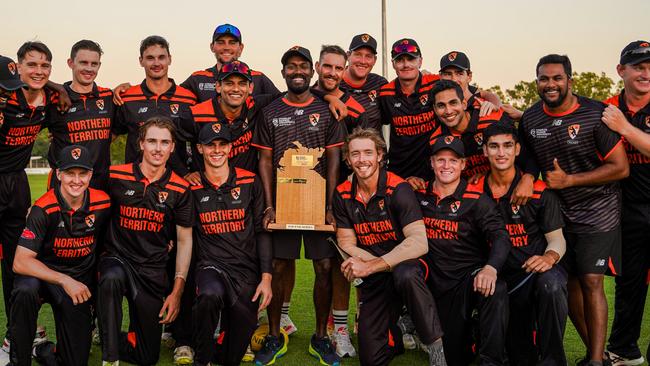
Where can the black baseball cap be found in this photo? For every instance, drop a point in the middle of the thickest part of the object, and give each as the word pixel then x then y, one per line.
pixel 9 78
pixel 75 156
pixel 450 142
pixel 635 53
pixel 364 40
pixel 214 131
pixel 297 51
pixel 226 29
pixel 234 68
pixel 456 59
pixel 405 46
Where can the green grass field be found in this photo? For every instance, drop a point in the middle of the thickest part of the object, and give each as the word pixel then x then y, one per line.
pixel 302 315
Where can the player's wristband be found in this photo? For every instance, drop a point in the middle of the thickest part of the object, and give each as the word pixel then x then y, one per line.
pixel 180 275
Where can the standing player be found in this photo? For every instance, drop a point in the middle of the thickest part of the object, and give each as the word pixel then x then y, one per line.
pixel 359 80
pixel 581 159
pixel 537 286
pixel 55 263
pixel 21 120
pixel 89 119
pixel 294 121
pixel 468 245
pixel 227 46
pixel 629 115
pixel 379 224
pixel 234 251
pixel 150 204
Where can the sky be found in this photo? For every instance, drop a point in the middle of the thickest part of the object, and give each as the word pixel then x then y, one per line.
pixel 503 38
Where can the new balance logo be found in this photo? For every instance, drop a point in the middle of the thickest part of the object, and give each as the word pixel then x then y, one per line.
pixel 130 192
pixel 600 263
pixel 397 105
pixel 205 199
pixel 143 109
pixel 61 224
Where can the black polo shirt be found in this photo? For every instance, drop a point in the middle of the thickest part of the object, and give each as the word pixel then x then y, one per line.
pixel 366 94
pixel 64 239
pixel 465 232
pixel 203 83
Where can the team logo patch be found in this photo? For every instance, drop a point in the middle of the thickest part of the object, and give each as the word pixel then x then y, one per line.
pixel 2 119
pixel 647 120
pixel 449 139
pixel 162 196
pixel 365 38
pixel 424 98
pixel 314 118
pixel 479 138
pixel 294 48
pixel 12 68
pixel 235 193
pixel 573 131
pixel 76 153
pixel 452 56
pixel 216 127
pixel 515 208
pixel 372 95
pixel 90 220
pixel 644 44
pixel 454 206
pixel 406 41
pixel 245 124
pixel 381 204
pixel 173 108
pixel 28 234
pixel 100 104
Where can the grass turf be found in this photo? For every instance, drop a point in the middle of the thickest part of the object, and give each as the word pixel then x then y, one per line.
pixel 302 315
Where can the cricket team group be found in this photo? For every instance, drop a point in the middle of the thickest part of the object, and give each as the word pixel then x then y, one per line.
pixel 473 236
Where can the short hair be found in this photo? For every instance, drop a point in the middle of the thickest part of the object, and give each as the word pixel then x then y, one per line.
pixel 555 59
pixel 87 45
pixel 500 128
pixel 33 46
pixel 157 121
pixel 442 85
pixel 153 41
pixel 337 50
pixel 365 133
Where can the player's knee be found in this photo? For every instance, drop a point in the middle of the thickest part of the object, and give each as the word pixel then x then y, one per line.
pixel 26 290
pixel 323 269
pixel 111 277
pixel 211 296
pixel 592 282
pixel 550 285
pixel 280 266
pixel 406 274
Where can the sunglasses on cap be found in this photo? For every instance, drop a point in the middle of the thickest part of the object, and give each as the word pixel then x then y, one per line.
pixel 227 29
pixel 405 48
pixel 637 51
pixel 235 66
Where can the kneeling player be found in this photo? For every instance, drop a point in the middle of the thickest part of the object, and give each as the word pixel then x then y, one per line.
pixel 149 203
pixel 55 263
pixel 379 224
pixel 537 287
pixel 468 245
pixel 234 255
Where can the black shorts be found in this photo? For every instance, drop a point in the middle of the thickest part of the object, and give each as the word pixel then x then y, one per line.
pixel 286 244
pixel 593 253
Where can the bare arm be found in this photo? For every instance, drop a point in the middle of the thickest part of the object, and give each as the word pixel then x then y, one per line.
pixel 333 164
pixel 616 121
pixel 347 240
pixel 413 246
pixel 171 307
pixel 266 174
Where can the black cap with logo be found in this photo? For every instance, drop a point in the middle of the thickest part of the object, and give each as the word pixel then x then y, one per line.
pixel 449 142
pixel 635 53
pixel 75 156
pixel 297 51
pixel 234 68
pixel 405 46
pixel 214 131
pixel 9 78
pixel 454 59
pixel 364 40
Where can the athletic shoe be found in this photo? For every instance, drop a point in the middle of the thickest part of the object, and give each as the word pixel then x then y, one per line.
pixel 287 325
pixel 330 325
pixel 436 354
pixel 343 344
pixel 355 329
pixel 44 353
pixel 40 336
pixel 108 363
pixel 6 345
pixel 262 317
pixel 409 341
pixel 183 355
pixel 323 351
pixel 167 340
pixel 249 356
pixel 618 360
pixel 273 348
pixel 97 339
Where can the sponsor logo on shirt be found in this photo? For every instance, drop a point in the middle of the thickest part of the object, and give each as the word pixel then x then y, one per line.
pixel 397 105
pixel 205 199
pixel 143 109
pixel 71 110
pixel 539 133
pixel 28 234
pixel 600 263
pixel 130 192
pixel 162 196
pixel 207 86
pixel 90 220
pixel 557 122
pixel 299 112
pixel 282 121
pixel 100 104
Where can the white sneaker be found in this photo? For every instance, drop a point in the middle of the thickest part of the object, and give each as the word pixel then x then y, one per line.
pixel 97 339
pixel 249 356
pixel 287 325
pixel 113 363
pixel 6 345
pixel 183 355
pixel 342 342
pixel 409 341
pixel 622 361
pixel 167 340
pixel 40 336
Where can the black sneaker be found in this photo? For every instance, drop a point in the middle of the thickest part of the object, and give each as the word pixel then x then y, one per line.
pixel 273 348
pixel 323 350
pixel 45 353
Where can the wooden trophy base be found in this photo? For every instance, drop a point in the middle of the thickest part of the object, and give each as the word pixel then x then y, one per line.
pixel 307 227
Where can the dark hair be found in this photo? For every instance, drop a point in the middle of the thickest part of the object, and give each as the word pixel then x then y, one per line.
pixel 34 46
pixel 157 121
pixel 500 128
pixel 153 41
pixel 87 45
pixel 333 49
pixel 555 59
pixel 443 85
pixel 365 133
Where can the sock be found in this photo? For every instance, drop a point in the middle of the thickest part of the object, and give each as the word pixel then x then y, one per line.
pixel 340 319
pixel 285 308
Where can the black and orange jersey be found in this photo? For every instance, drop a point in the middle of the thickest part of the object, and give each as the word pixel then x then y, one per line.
pixel 64 239
pixel 203 84
pixel 465 232
pixel 527 224
pixel 87 123
pixel 412 120
pixel 20 123
pixel 287 125
pixel 366 94
pixel 140 104
pixel 635 187
pixel 472 137
pixel 377 224
pixel 145 215
pixel 580 142
pixel 228 231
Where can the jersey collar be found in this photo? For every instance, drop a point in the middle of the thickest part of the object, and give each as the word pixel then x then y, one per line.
pixel 65 207
pixel 148 93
